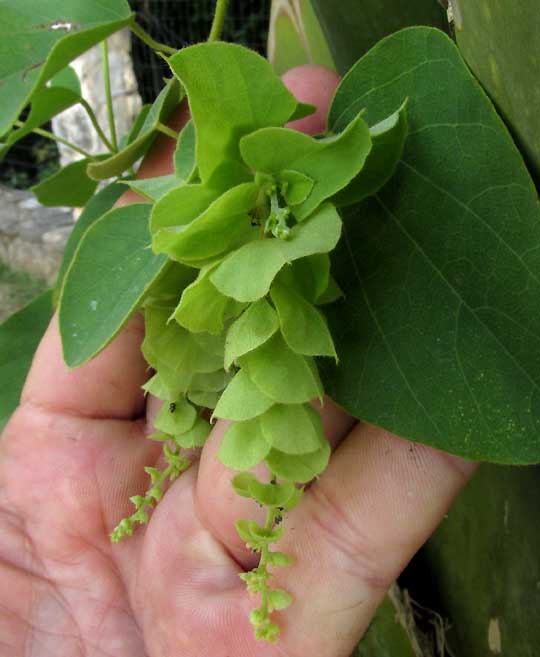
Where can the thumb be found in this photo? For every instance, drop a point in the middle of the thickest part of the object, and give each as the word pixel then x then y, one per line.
pixel 314 85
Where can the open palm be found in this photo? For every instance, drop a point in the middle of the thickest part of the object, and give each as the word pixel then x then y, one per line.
pixel 74 453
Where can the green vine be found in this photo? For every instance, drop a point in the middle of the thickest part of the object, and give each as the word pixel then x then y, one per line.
pixel 219 20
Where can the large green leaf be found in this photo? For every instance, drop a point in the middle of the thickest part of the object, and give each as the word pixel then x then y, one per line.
pixel 439 333
pixel 232 91
pixel 98 205
pixel 116 164
pixel 112 269
pixel 352 27
pixel 62 92
pixel 19 338
pixel 506 60
pixel 38 38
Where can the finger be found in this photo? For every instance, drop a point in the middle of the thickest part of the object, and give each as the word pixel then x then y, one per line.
pixel 355 530
pixel 314 85
pixel 109 386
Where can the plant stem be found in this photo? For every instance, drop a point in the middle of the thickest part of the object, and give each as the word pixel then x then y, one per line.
pixel 93 118
pixel 270 519
pixel 146 38
pixel 166 130
pixel 108 94
pixel 219 20
pixel 59 140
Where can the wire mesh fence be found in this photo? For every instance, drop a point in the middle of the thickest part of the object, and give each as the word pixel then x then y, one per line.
pixel 175 22
pixel 182 22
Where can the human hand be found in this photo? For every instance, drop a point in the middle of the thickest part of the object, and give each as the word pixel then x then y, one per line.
pixel 74 452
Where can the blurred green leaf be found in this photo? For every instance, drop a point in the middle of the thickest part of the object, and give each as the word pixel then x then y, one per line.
pixel 69 187
pixel 19 338
pixel 351 28
pixel 63 91
pixel 39 38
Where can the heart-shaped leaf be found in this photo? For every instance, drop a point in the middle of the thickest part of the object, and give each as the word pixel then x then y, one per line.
pixel 439 332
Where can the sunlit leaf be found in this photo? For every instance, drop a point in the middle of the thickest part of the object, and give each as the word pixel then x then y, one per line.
pixel 184 154
pixel 203 308
pixel 175 418
pixel 196 436
pixel 281 374
pixel 224 223
pixel 302 325
pixel 293 428
pixel 247 273
pixel 331 162
pixel 300 468
pixel 253 328
pixel 153 188
pixel 242 400
pixel 232 91
pixel 177 354
pixel 243 445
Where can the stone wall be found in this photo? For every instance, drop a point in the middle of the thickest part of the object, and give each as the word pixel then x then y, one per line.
pixel 32 238
pixel 73 124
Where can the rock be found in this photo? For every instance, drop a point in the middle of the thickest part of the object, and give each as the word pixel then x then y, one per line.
pixel 32 238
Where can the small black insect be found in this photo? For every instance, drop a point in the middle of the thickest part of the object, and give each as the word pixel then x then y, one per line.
pixel 172 407
pixel 278 520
